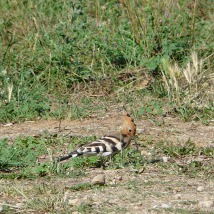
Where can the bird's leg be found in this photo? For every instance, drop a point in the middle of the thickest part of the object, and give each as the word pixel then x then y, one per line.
pixel 135 141
pixel 122 159
pixel 136 146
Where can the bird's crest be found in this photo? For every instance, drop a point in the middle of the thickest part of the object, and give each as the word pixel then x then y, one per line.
pixel 129 127
pixel 108 144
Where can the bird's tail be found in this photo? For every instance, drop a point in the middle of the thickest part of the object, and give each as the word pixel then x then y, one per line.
pixel 71 155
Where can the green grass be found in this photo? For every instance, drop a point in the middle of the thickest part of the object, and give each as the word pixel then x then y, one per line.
pixel 58 56
pixel 29 173
pixel 181 150
pixel 71 59
pixel 187 158
pixel 32 157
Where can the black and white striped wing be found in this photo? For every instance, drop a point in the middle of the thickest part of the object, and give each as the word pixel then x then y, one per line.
pixel 105 146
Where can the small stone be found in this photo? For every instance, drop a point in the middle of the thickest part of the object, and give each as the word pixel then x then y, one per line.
pixel 113 182
pixel 139 203
pixel 176 189
pixel 206 204
pixel 146 181
pixel 141 170
pixel 19 205
pixel 98 180
pixel 165 206
pixel 74 202
pixel 165 159
pixel 65 196
pixel 8 124
pixel 119 178
pixel 145 153
pixel 205 85
pixel 4 72
pixel 200 188
pixel 177 196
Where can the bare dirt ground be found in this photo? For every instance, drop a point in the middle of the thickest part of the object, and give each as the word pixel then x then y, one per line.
pixel 153 190
pixel 171 129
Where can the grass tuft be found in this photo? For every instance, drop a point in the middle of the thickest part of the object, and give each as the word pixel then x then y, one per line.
pixel 187 87
pixel 51 52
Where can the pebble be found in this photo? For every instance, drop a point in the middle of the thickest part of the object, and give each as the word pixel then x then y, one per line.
pixel 165 206
pixel 65 196
pixel 141 170
pixel 74 202
pixel 178 196
pixel 98 180
pixel 206 204
pixel 200 188
pixel 19 205
pixel 144 153
pixel 119 178
pixel 205 85
pixel 8 124
pixel 155 207
pixel 146 181
pixel 165 159
pixel 113 182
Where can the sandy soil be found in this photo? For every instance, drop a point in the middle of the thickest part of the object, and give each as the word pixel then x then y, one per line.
pixel 157 189
pixel 171 129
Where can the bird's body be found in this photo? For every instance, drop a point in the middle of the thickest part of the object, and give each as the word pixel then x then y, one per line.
pixel 108 144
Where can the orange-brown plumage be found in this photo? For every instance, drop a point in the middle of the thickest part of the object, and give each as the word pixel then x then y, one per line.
pixel 108 144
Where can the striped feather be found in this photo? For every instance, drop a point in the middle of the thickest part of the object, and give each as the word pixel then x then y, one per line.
pixel 108 144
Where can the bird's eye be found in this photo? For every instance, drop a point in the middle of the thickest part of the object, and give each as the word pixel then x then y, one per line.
pixel 130 130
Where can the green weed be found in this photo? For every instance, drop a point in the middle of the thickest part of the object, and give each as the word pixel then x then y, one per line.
pixel 23 158
pixel 188 148
pixel 21 153
pixel 52 51
pixel 193 160
pixel 81 186
pixel 85 208
pixel 154 108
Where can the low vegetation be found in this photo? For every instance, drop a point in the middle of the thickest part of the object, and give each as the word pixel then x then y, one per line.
pixel 69 59
pixel 63 59
pixel 32 157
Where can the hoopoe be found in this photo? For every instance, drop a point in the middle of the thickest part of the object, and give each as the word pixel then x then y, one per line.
pixel 110 144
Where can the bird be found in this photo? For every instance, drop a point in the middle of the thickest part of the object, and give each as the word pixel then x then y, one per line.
pixel 110 144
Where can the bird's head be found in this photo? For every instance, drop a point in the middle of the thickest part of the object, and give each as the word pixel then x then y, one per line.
pixel 128 129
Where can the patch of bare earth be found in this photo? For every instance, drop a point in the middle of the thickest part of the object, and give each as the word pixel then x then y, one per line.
pixel 170 129
pixel 153 191
pixel 156 189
